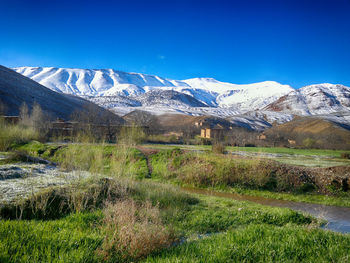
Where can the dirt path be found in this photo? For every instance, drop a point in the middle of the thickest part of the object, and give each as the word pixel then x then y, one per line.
pixel 147 152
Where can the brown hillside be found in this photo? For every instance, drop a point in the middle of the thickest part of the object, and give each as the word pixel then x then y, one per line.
pixel 321 133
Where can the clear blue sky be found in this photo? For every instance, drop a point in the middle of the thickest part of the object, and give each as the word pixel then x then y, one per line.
pixel 296 42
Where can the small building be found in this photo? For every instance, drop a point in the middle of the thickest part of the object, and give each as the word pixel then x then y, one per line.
pixel 261 137
pixel 11 119
pixel 291 142
pixel 216 132
pixel 61 127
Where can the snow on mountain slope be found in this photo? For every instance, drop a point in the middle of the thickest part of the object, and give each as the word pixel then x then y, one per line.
pixel 108 82
pixel 95 82
pixel 257 104
pixel 314 99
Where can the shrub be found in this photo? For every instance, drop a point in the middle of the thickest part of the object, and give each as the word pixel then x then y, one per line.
pixel 132 135
pixel 133 231
pixel 218 148
pixel 309 142
pixel 345 155
pixel 15 134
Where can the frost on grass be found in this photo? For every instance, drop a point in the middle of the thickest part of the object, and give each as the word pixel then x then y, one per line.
pixel 19 181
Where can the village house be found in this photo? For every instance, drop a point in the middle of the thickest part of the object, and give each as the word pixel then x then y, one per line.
pixel 11 119
pixel 291 142
pixel 216 132
pixel 261 137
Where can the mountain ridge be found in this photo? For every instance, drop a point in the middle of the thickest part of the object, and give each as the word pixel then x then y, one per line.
pixel 260 102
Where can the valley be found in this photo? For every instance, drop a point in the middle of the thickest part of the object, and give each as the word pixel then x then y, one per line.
pixel 188 221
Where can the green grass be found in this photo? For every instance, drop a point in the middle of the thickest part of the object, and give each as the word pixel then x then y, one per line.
pixel 280 150
pixel 76 237
pixel 342 199
pixel 262 243
pixel 104 159
pixel 298 157
pixel 307 152
pixel 117 161
pixel 11 135
pixel 311 161
pixel 237 230
pixel 244 176
pixel 71 239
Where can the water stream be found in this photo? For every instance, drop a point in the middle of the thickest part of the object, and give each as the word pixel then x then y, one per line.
pixel 338 218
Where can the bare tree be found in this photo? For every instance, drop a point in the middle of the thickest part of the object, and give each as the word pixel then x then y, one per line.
pixel 24 117
pixel 3 108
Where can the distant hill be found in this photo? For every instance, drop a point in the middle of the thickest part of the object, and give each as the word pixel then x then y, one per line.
pixel 311 132
pixel 314 100
pixel 15 89
pixel 174 121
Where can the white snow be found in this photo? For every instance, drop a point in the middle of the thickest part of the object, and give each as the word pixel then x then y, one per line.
pixel 256 103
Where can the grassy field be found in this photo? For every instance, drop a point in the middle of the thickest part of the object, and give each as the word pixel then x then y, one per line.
pixel 261 243
pixel 122 214
pixel 81 236
pixel 306 152
pixel 299 157
pixel 220 172
pixel 246 176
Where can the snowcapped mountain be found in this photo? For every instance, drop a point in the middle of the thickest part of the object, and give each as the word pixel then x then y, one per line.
pixel 16 89
pixel 257 104
pixel 314 99
pixel 148 89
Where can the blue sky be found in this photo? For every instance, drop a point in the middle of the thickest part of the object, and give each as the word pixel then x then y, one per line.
pixel 297 42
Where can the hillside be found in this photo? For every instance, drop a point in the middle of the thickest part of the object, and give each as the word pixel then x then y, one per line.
pixel 15 89
pixel 314 99
pixel 311 132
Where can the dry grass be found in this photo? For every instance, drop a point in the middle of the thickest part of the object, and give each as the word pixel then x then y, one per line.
pixel 218 148
pixel 15 134
pixel 133 231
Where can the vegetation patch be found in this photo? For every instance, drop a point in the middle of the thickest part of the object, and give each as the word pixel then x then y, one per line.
pixel 224 171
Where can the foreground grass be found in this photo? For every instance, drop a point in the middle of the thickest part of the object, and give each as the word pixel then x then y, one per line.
pixel 71 239
pixel 102 220
pixel 262 243
pixel 79 237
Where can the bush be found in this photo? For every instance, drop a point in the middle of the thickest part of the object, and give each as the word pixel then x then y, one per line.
pixel 309 142
pixel 133 231
pixel 132 135
pixel 345 155
pixel 102 159
pixel 202 170
pixel 15 134
pixel 218 148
